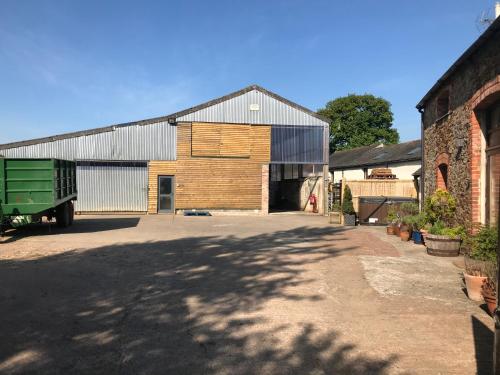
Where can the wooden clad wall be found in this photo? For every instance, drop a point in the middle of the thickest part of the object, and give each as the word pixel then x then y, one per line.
pixel 214 140
pixel 229 181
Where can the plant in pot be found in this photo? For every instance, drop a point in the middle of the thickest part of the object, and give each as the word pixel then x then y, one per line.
pixel 443 238
pixel 348 208
pixel 406 228
pixel 489 292
pixel 408 211
pixel 418 224
pixel 480 260
pixel 391 219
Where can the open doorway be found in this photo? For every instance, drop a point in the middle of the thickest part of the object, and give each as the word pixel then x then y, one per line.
pixel 295 187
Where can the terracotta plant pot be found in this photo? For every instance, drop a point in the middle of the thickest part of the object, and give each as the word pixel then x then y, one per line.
pixel 491 300
pixel 390 229
pixel 404 235
pixel 396 230
pixel 442 246
pixel 473 285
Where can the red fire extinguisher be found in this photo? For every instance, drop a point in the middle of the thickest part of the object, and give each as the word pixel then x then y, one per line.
pixel 313 200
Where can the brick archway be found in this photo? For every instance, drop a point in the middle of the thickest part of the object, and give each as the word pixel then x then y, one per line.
pixel 441 166
pixel 484 96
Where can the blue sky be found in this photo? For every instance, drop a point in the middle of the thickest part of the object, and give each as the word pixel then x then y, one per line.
pixel 74 65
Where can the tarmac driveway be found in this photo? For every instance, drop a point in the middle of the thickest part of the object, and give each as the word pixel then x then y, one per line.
pixel 231 295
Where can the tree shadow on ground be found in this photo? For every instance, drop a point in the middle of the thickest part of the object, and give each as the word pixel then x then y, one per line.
pixel 183 306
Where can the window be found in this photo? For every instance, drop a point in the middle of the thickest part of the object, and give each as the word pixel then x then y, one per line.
pixel 442 165
pixel 442 178
pixel 220 140
pixel 443 104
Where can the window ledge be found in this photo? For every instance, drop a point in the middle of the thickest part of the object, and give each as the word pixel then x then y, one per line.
pixel 440 119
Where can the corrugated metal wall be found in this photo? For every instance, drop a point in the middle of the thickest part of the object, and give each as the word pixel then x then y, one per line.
pixel 237 111
pixel 297 144
pixel 112 187
pixel 139 142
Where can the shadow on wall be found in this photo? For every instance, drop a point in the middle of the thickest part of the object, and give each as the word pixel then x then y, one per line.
pixel 185 306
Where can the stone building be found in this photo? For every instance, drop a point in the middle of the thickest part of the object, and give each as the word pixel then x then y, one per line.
pixel 461 131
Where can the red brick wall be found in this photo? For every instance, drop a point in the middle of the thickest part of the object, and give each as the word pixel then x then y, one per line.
pixel 478 100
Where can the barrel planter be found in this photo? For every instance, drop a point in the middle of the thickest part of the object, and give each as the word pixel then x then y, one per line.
pixel 390 229
pixel 442 246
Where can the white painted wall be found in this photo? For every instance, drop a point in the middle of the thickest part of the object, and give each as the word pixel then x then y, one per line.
pixel 403 171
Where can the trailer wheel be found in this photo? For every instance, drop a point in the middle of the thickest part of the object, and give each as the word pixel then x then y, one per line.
pixel 63 215
pixel 71 212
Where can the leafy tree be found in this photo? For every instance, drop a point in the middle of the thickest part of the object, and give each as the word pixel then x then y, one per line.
pixel 359 120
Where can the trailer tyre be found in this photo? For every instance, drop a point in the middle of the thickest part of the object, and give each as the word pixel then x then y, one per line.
pixel 63 215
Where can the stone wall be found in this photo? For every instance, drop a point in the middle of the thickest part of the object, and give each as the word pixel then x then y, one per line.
pixel 451 134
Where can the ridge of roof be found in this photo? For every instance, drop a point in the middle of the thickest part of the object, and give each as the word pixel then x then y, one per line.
pixel 374 155
pixel 483 38
pixel 172 116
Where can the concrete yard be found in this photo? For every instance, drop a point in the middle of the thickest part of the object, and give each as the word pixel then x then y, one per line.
pixel 232 295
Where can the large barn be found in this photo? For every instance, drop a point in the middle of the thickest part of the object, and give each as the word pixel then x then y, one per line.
pixel 251 150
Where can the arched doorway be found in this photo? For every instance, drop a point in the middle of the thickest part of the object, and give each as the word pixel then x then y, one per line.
pixel 485 153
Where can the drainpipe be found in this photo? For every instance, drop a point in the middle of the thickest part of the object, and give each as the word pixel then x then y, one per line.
pixel 422 145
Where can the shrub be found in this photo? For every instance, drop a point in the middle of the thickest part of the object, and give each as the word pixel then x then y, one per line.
pixel 483 245
pixel 416 222
pixel 440 207
pixel 440 228
pixel 408 209
pixel 347 206
pixel 392 215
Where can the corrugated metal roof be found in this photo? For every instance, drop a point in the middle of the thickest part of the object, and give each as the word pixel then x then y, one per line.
pixel 273 109
pixel 156 141
pixel 254 107
pixel 376 155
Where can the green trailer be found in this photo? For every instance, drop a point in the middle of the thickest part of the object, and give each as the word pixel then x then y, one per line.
pixel 33 188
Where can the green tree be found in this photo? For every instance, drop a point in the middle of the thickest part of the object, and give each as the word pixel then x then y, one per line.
pixel 359 120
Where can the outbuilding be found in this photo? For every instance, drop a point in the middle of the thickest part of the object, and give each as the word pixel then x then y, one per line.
pixel 251 150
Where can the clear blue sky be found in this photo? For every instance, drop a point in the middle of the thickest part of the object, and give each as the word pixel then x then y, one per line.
pixel 74 65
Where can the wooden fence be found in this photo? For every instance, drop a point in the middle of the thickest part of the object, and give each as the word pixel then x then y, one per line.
pixel 377 188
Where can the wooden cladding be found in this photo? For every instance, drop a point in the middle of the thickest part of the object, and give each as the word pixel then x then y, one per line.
pixel 220 140
pixel 214 182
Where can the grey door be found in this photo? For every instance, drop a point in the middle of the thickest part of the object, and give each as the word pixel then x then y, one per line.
pixel 112 186
pixel 165 193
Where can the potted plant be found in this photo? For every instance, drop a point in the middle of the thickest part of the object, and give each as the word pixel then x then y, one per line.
pixel 391 220
pixel 480 260
pixel 348 208
pixel 418 224
pixel 408 211
pixel 406 228
pixel 443 238
pixel 489 292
